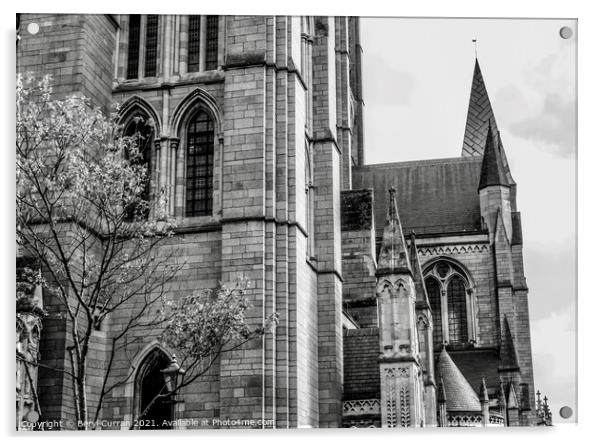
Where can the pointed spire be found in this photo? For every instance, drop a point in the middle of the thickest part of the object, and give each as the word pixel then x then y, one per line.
pixel 509 357
pixel 479 118
pixel 512 399
pixel 483 395
pixel 479 114
pixel 492 169
pixel 441 396
pixel 421 295
pixel 393 255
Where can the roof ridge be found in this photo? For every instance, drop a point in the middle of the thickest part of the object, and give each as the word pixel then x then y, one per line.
pixel 433 161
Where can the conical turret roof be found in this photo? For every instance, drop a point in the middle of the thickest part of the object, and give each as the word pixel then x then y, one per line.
pixel 460 395
pixel 492 169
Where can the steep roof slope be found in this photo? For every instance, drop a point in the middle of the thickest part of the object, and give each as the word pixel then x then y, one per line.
pixel 433 196
pixel 460 396
pixel 478 117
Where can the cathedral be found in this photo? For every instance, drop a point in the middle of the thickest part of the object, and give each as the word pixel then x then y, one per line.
pixel 400 287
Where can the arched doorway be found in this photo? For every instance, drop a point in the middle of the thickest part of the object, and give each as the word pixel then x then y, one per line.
pixel 154 412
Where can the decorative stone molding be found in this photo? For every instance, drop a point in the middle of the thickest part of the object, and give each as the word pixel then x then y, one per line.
pixel 495 420
pixel 396 372
pixel 465 420
pixel 361 407
pixel 451 250
pixel 398 393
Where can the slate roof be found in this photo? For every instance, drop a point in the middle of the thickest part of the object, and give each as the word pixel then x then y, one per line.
pixel 476 365
pixel 479 114
pixel 478 118
pixel 433 196
pixel 361 369
pixel 460 396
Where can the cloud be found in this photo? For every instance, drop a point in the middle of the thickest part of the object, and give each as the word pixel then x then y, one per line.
pixel 549 295
pixel 394 87
pixel 555 374
pixel 553 128
pixel 546 99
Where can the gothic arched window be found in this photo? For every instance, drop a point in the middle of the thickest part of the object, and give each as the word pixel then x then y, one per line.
pixel 456 309
pixel 450 297
pixel 153 410
pixel 433 290
pixel 200 136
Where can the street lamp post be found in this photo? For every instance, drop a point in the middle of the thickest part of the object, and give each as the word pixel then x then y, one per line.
pixel 173 377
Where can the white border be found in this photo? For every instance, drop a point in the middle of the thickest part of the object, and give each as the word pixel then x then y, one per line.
pixel 590 147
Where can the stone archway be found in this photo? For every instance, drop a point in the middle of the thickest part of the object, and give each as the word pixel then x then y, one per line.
pixel 154 413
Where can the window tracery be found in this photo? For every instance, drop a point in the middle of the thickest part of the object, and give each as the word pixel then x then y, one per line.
pixel 451 298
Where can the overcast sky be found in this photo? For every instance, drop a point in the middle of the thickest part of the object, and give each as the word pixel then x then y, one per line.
pixel 417 78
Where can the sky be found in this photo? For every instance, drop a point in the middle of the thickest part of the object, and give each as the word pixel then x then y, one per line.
pixel 417 76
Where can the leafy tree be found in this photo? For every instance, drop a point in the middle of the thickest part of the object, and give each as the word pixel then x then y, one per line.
pixel 204 325
pixel 84 214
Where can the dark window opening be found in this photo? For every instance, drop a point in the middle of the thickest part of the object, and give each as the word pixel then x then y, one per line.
pixel 434 293
pixel 456 306
pixel 150 59
pixel 199 166
pixel 133 46
pixel 194 41
pixel 155 410
pixel 211 42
